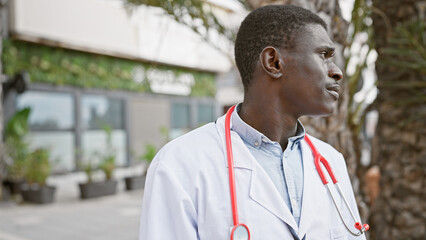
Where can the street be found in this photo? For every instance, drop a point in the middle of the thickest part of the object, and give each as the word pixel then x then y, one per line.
pixel 112 217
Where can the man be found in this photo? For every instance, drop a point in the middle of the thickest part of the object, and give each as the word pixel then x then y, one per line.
pixel 284 56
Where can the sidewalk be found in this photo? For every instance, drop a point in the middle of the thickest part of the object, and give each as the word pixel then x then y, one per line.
pixel 112 217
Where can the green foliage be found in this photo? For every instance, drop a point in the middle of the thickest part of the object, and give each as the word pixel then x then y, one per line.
pixel 150 152
pixel 88 169
pixel 405 54
pixel 38 168
pixel 16 146
pixel 165 131
pixel 406 50
pixel 17 127
pixel 196 14
pixel 67 67
pixel 107 163
pixel 361 24
pixel 104 161
pixel 204 85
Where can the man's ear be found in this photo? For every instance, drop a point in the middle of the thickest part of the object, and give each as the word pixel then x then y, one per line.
pixel 271 62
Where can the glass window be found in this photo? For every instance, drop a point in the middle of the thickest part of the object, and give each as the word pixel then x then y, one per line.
pixel 205 113
pixel 180 119
pixel 51 123
pixel 60 145
pixel 98 113
pixel 49 111
pixel 180 115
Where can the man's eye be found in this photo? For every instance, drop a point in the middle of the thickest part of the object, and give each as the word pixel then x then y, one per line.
pixel 327 54
pixel 323 54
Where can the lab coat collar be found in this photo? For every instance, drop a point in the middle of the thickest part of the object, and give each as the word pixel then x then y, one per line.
pixel 262 189
pixel 313 190
pixel 242 156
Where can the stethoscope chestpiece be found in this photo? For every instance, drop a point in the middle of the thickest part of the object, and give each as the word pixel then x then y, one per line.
pixel 240 232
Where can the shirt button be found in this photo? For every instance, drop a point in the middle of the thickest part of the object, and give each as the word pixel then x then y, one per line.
pixel 256 143
pixel 293 201
pixel 264 139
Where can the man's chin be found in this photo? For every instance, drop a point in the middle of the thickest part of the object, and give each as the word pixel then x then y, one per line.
pixel 326 112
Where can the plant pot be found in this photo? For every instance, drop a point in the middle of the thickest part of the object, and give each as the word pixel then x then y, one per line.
pixel 136 182
pixel 35 193
pixel 97 189
pixel 14 186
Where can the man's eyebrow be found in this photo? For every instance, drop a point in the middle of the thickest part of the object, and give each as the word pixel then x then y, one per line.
pixel 327 48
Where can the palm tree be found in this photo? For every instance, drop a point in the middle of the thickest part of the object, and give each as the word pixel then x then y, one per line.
pixel 401 69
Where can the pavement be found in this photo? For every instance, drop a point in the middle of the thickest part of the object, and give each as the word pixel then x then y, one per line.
pixel 110 217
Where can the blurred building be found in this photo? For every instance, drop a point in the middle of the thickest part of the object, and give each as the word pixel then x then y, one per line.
pixel 95 63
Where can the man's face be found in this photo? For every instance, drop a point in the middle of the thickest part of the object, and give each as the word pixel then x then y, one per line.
pixel 311 81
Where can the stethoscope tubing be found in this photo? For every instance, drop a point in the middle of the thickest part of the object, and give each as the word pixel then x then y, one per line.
pixel 318 160
pixel 231 166
pixel 231 174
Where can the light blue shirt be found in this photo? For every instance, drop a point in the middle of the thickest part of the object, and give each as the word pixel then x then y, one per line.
pixel 284 168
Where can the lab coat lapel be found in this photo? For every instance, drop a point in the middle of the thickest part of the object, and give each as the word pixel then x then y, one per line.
pixel 262 189
pixel 264 192
pixel 313 191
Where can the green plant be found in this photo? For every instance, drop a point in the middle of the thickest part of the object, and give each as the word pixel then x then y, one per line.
pixel 67 67
pixel 107 163
pixel 16 146
pixel 88 169
pixel 148 156
pixel 107 166
pixel 150 152
pixel 38 167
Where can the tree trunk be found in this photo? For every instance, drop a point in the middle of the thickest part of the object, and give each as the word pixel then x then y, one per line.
pixel 400 210
pixel 2 29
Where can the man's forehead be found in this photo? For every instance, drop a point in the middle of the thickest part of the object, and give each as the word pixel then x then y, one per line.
pixel 313 35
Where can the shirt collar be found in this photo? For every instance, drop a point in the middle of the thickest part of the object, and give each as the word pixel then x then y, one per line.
pixel 255 138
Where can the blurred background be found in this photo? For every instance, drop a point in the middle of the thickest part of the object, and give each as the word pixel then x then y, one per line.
pixel 91 89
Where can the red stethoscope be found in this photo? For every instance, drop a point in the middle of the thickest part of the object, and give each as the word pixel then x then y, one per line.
pixel 240 231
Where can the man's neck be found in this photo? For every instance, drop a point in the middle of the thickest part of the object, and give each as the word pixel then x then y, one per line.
pixel 269 120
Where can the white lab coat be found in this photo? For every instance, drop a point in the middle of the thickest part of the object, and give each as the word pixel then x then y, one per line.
pixel 187 193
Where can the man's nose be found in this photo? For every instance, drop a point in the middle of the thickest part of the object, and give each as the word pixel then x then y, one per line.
pixel 335 72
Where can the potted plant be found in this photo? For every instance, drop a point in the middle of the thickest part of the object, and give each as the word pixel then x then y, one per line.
pixel 92 189
pixel 138 182
pixel 37 170
pixel 16 149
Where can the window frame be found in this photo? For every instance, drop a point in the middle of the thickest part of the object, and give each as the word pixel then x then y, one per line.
pixel 11 104
pixel 193 103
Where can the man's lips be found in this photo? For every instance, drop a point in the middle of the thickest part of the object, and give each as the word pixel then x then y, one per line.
pixel 334 90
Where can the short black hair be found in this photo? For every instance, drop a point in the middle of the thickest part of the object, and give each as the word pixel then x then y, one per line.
pixel 272 25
